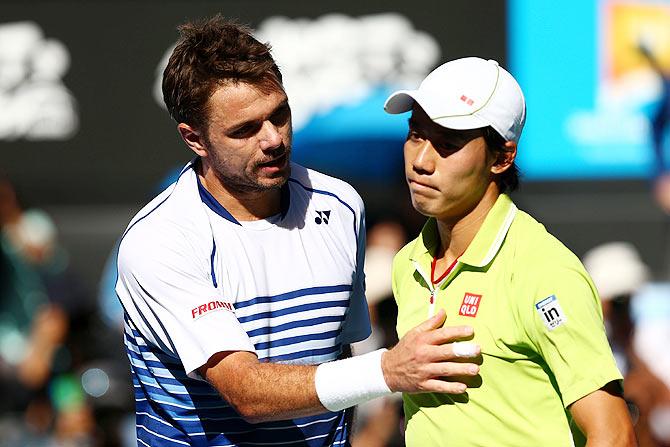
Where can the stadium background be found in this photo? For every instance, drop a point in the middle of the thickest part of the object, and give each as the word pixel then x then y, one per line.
pixel 96 179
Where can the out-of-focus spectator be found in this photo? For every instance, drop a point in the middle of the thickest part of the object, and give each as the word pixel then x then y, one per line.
pixel 651 314
pixel 619 275
pixel 379 421
pixel 31 329
pixel 384 239
pixel 39 302
pixel 661 192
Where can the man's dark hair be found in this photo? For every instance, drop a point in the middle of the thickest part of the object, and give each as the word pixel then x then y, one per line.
pixel 211 53
pixel 508 181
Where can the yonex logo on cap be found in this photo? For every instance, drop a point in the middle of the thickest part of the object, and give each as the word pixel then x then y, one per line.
pixel 201 310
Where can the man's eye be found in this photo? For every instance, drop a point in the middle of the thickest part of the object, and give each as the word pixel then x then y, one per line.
pixel 447 148
pixel 281 116
pixel 448 144
pixel 414 135
pixel 245 131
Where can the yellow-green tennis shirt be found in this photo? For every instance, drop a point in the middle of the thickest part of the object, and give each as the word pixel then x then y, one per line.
pixel 537 317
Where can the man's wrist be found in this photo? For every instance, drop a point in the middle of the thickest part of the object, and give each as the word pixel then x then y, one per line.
pixel 345 383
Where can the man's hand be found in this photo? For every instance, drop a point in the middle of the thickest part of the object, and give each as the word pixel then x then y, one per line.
pixel 425 355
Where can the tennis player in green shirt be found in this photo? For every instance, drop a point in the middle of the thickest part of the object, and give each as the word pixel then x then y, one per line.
pixel 547 375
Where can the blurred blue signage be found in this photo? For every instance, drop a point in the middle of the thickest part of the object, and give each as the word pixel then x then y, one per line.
pixel 595 75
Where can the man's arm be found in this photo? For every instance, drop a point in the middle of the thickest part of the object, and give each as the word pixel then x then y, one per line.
pixel 604 419
pixel 268 391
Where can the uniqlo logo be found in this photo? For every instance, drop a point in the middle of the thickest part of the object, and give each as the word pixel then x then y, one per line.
pixel 470 305
pixel 467 100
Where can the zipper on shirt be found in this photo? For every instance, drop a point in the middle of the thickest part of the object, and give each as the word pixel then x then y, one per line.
pixel 435 285
pixel 431 288
pixel 431 301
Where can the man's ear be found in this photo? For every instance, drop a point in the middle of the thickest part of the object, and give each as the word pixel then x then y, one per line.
pixel 193 138
pixel 504 158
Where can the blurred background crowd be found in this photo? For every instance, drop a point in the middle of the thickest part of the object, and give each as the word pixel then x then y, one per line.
pixel 84 143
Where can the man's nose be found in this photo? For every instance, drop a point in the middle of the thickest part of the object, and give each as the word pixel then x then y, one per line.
pixel 269 136
pixel 423 160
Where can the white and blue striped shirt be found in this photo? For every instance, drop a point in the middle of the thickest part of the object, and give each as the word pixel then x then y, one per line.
pixel 194 281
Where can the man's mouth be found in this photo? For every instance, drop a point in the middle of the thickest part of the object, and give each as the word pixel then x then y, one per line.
pixel 419 185
pixel 276 162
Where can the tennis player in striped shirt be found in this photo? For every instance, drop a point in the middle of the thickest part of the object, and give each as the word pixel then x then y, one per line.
pixel 242 282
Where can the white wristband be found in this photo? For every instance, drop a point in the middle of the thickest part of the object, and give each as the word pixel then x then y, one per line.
pixel 345 383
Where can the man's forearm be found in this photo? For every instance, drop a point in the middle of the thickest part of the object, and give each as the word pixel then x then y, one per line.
pixel 265 391
pixel 603 417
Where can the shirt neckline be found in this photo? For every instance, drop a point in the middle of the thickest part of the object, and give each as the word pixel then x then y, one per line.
pixel 484 246
pixel 210 201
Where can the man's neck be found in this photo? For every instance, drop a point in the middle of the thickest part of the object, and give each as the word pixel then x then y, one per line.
pixel 456 235
pixel 242 205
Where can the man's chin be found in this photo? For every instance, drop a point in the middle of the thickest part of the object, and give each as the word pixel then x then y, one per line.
pixel 274 182
pixel 423 208
pixel 274 178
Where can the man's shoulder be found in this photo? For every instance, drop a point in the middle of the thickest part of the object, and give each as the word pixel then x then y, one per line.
pixel 171 219
pixel 325 185
pixel 539 258
pixel 536 244
pixel 403 255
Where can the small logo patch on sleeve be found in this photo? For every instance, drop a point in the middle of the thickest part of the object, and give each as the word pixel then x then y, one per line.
pixel 551 313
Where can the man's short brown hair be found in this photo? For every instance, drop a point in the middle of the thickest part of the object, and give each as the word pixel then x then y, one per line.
pixel 211 53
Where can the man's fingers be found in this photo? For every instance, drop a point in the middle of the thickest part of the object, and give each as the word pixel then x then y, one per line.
pixel 448 334
pixel 441 386
pixel 450 352
pixel 433 322
pixel 451 369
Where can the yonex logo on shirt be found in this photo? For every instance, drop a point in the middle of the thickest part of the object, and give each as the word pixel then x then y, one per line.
pixel 323 216
pixel 201 310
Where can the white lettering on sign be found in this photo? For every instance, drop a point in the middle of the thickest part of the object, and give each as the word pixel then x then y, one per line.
pixel 34 102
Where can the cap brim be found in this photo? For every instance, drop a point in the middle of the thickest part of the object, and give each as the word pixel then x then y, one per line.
pixel 403 100
pixel 464 122
pixel 400 101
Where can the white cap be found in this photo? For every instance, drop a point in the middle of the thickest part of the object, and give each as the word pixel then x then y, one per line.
pixel 616 269
pixel 468 93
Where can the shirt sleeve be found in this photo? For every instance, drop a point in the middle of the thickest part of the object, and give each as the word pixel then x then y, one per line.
pixel 167 289
pixel 357 324
pixel 566 327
